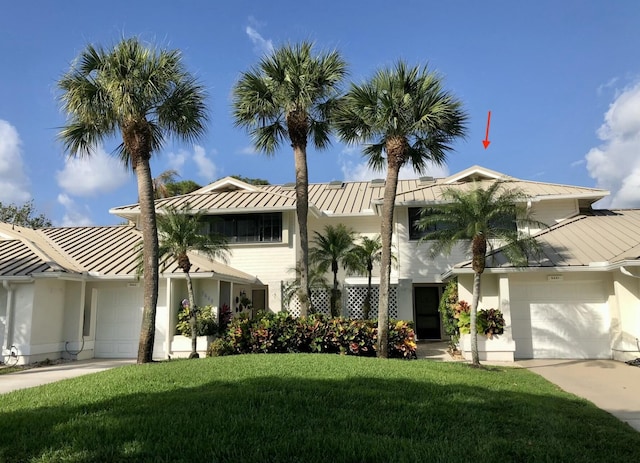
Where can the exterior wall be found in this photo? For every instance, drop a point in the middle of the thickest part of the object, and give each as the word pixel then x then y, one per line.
pixel 47 321
pixel 271 263
pixel 553 211
pixel 17 327
pixel 414 262
pixel 625 317
pixel 3 317
pixel 74 318
pixel 494 294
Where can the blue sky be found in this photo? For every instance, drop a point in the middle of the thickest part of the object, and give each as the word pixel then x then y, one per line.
pixel 562 79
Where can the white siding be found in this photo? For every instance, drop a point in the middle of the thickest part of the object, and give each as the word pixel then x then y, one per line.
pixel 48 316
pixel 553 211
pixel 625 317
pixel 414 261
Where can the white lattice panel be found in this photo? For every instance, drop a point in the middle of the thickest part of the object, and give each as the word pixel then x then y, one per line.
pixel 354 299
pixel 320 298
pixel 357 294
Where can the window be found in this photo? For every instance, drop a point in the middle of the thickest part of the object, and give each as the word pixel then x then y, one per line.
pixel 416 233
pixel 247 228
pixel 504 222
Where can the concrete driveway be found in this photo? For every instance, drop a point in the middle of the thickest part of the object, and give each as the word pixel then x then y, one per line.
pixel 49 374
pixel 610 385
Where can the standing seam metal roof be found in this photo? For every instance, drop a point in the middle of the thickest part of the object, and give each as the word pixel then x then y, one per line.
pixel 599 236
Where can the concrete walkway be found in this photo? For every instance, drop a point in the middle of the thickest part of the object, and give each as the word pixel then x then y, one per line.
pixel 43 375
pixel 612 386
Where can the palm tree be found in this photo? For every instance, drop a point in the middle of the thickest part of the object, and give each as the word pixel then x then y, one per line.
pixel 403 115
pixel 144 95
pixel 180 232
pixel 480 217
pixel 289 96
pixel 161 183
pixel 360 259
pixel 329 250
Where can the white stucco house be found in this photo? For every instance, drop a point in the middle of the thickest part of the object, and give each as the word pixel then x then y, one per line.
pixel 73 291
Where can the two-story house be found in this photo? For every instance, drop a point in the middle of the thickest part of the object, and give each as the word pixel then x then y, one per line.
pixel 80 289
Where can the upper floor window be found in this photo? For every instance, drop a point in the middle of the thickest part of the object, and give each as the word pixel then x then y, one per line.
pixel 415 233
pixel 246 228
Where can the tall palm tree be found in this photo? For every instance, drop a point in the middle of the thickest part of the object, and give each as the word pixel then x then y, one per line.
pixel 482 217
pixel 289 97
pixel 403 115
pixel 330 249
pixel 180 232
pixel 145 95
pixel 360 259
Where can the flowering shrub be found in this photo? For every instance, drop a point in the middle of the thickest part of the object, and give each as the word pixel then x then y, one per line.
pixel 274 333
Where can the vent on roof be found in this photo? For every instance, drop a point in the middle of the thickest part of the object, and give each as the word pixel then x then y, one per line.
pixel 377 182
pixel 289 186
pixel 426 180
pixel 335 184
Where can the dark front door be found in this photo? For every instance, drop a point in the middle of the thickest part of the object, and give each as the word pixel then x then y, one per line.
pixel 426 300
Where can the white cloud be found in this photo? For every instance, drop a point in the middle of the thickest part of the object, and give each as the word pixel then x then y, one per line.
pixel 261 45
pixel 615 164
pixel 360 171
pixel 206 168
pixel 14 184
pixel 249 150
pixel 73 216
pixel 177 160
pixel 89 176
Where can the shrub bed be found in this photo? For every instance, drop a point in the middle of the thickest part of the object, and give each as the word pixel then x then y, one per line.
pixel 281 332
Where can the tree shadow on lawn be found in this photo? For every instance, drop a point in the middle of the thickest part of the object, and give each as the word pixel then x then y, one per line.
pixel 272 419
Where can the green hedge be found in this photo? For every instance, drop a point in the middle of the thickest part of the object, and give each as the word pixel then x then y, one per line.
pixel 281 332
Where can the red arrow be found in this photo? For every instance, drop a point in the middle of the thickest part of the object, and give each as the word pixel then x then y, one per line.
pixel 486 141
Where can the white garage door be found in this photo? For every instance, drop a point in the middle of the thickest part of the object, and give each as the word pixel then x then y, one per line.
pixel 118 320
pixel 560 319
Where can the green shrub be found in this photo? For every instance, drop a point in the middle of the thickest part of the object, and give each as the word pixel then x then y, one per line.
pixel 447 309
pixel 206 323
pixel 219 347
pixel 489 322
pixel 317 333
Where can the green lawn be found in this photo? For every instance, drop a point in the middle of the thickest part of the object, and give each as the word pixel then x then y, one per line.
pixel 308 408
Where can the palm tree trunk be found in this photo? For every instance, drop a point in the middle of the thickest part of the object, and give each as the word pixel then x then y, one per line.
pixel 473 315
pixel 150 257
pixel 479 255
pixel 193 321
pixel 302 210
pixel 367 298
pixel 386 232
pixel 334 292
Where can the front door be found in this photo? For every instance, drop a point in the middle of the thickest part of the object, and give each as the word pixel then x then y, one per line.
pixel 425 303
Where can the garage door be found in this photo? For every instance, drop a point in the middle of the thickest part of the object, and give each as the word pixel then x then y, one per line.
pixel 118 320
pixel 560 319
